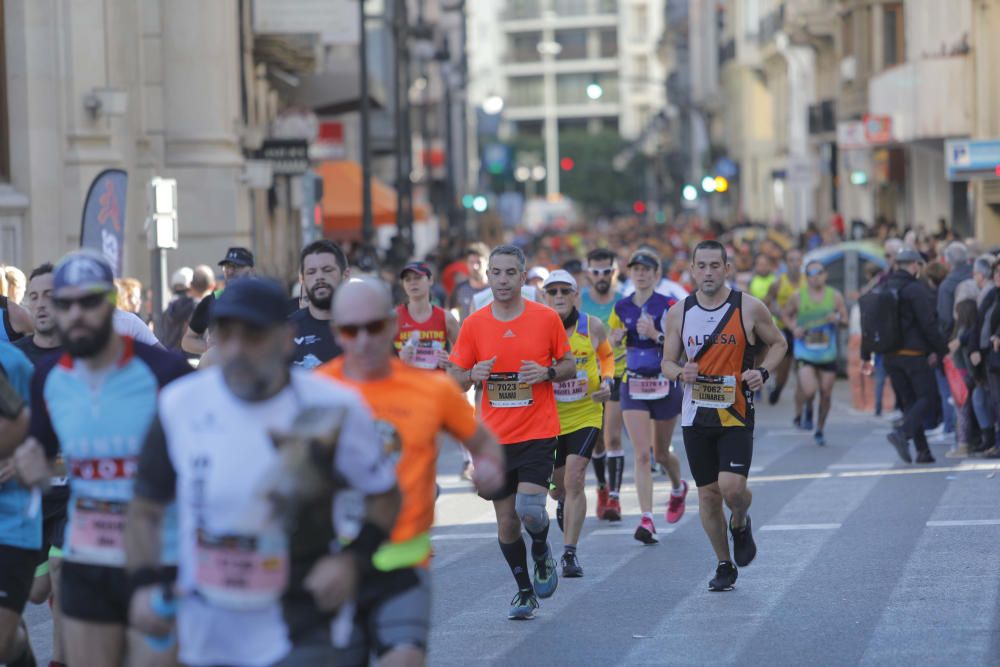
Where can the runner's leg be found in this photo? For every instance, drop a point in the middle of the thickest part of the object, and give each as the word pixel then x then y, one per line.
pixel 93 644
pixel 575 506
pixel 826 381
pixel 737 495
pixel 640 430
pixel 612 434
pixel 713 519
pixel 511 542
pixel 808 383
pixel 13 638
pixel 663 433
pixel 55 574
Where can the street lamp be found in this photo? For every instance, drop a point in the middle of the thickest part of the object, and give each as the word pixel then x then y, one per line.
pixel 493 105
pixel 595 92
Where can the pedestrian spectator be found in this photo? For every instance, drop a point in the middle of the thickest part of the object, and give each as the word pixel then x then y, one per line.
pixel 956 258
pixel 177 314
pixel 969 428
pixel 129 295
pixel 16 284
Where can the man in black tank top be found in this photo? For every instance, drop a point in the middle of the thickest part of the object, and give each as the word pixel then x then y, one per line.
pixel 719 382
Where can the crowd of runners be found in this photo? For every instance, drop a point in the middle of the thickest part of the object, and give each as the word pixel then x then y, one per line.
pixel 260 489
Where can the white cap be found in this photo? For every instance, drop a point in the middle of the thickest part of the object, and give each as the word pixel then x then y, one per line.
pixel 538 272
pixel 182 277
pixel 560 276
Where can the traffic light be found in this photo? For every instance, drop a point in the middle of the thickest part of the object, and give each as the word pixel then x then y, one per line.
pixel 721 184
pixel 690 193
pixel 567 164
pixel 639 206
pixel 480 204
pixel 468 201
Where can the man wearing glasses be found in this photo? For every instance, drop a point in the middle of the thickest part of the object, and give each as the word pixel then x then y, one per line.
pixel 94 405
pixel 518 349
pixel 816 313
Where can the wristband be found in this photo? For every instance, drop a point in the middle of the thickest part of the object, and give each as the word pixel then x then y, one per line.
pixel 366 544
pixel 764 373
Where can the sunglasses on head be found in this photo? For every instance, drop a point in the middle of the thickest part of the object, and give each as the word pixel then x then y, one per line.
pixel 556 291
pixel 372 328
pixel 597 273
pixel 89 302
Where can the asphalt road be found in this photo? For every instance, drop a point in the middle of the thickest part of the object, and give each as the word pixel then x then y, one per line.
pixel 862 560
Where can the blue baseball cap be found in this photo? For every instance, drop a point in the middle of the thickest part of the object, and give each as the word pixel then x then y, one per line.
pixel 257 301
pixel 84 269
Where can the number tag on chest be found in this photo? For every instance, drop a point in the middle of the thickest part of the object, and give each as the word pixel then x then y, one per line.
pixel 570 391
pixel 648 388
pixel 505 390
pixel 97 534
pixel 817 339
pixel 425 355
pixel 714 391
pixel 241 572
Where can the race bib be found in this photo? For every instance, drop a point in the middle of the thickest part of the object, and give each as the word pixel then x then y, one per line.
pixel 648 388
pixel 425 354
pixel 241 572
pixel 570 391
pixel 97 533
pixel 817 339
pixel 714 391
pixel 505 390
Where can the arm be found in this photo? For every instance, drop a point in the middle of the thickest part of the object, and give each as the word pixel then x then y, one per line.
pixel 451 328
pixel 945 305
pixel 20 318
pixel 790 313
pixel 841 307
pixel 13 432
pixel 605 354
pixel 565 368
pixel 763 327
pixel 673 347
pixel 193 343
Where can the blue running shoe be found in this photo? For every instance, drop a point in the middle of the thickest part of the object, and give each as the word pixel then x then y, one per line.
pixel 820 438
pixel 546 578
pixel 523 606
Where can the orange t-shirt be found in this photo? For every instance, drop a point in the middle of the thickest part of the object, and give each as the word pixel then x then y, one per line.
pixel 513 411
pixel 411 407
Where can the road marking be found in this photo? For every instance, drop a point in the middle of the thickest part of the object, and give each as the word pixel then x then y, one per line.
pixel 792 478
pixel 601 532
pixel 463 536
pixel 859 466
pixel 964 467
pixel 785 433
pixel 966 522
pixel 800 526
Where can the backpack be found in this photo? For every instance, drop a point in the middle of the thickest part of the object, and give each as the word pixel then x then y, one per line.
pixel 880 326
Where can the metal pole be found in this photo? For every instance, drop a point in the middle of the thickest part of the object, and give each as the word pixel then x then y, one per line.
pixel 404 144
pixel 367 226
pixel 161 290
pixel 449 129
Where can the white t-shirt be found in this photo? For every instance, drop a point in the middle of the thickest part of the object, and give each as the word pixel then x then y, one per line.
pixel 130 324
pixel 220 449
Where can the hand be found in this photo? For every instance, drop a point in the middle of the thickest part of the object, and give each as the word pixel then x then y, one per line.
pixel 143 618
pixel 30 463
pixel 754 380
pixel 443 362
pixel 616 336
pixel 644 326
pixel 488 475
pixel 932 360
pixel 7 471
pixel 690 372
pixel 867 367
pixel 953 344
pixel 976 358
pixel 406 354
pixel 532 372
pixel 996 343
pixel 333 581
pixel 603 393
pixel 481 371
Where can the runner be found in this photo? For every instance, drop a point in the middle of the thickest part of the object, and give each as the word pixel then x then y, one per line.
pixel 578 401
pixel 818 311
pixel 15 318
pixel 650 402
pixel 716 332
pixel 238 263
pixel 782 289
pixel 322 267
pixel 252 452
pixel 20 533
pixel 517 349
pixel 94 405
pixel 426 332
pixel 412 407
pixel 599 301
pixel 461 299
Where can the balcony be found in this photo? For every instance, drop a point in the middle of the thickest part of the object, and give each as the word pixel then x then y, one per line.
pixel 822 117
pixel 926 99
pixel 528 15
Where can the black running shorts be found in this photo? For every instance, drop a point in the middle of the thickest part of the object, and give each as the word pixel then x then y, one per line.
pixel 531 461
pixel 830 367
pixel 97 594
pixel 579 442
pixel 714 449
pixel 17 572
pixel 616 390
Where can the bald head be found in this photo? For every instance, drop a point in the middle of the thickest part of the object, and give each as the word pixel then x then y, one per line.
pixel 362 300
pixel 365 325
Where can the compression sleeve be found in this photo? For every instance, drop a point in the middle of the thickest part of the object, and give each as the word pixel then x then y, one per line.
pixel 606 358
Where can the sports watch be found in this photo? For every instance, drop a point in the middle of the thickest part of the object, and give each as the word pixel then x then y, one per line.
pixel 764 374
pixel 551 371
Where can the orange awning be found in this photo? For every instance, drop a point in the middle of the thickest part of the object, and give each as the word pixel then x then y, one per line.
pixel 341 203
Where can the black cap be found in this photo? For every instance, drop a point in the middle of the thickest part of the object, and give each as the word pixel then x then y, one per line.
pixel 645 260
pixel 417 267
pixel 238 256
pixel 573 266
pixel 257 301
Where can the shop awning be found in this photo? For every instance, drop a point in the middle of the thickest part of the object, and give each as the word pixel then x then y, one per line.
pixel 341 203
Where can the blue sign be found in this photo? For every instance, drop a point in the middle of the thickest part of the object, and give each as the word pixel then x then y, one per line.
pixel 103 226
pixel 496 157
pixel 726 168
pixel 965 159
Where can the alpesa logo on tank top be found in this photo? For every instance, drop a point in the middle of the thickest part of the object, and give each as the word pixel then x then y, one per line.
pixel 699 340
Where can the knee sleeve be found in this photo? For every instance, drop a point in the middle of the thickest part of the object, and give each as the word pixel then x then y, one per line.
pixel 530 508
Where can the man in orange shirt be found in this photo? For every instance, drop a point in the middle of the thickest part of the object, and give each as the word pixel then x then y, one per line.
pixel 517 349
pixel 411 407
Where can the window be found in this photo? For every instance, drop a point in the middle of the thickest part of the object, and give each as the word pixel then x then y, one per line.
pixel 526 91
pixel 847 39
pixel 523 9
pixel 4 123
pixel 609 43
pixel 893 34
pixel 572 88
pixel 522 47
pixel 574 44
pixel 640 23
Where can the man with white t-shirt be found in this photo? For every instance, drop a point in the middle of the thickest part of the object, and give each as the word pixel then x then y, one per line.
pixel 254 589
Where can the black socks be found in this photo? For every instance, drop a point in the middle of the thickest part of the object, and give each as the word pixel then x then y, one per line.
pixel 517 558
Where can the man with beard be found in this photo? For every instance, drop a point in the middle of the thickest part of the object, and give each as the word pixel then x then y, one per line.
pixel 716 332
pixel 322 267
pixel 253 451
pixel 517 349
pixel 94 404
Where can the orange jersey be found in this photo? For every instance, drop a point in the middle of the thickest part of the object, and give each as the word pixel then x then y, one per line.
pixel 515 412
pixel 411 407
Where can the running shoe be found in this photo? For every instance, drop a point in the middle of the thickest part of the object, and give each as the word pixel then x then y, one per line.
pixel 602 502
pixel 571 566
pixel 797 422
pixel 774 397
pixel 559 515
pixel 677 504
pixel 546 577
pixel 925 457
pixel 466 474
pixel 807 422
pixel 744 548
pixel 898 441
pixel 819 438
pixel 613 512
pixel 725 577
pixel 646 532
pixel 523 606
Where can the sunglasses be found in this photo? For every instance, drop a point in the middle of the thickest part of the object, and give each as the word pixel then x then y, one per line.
pixel 815 272
pixel 372 328
pixel 89 302
pixel 597 273
pixel 556 291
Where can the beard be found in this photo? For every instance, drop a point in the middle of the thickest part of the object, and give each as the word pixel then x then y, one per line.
pixel 91 344
pixel 323 303
pixel 252 382
pixel 602 286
